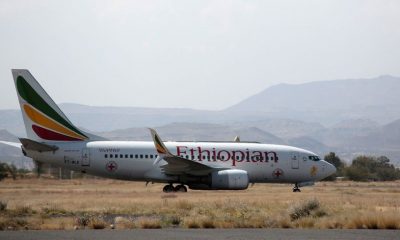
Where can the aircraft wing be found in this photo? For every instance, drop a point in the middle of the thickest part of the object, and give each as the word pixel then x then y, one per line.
pixel 177 165
pixel 12 144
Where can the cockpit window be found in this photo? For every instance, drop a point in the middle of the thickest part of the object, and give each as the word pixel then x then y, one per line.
pixel 314 158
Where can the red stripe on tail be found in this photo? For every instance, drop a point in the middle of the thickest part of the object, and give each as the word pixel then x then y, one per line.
pixel 50 135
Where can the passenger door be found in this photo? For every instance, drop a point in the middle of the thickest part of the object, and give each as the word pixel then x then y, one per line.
pixel 85 157
pixel 295 158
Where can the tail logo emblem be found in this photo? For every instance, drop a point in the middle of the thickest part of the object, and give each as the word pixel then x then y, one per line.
pixel 47 123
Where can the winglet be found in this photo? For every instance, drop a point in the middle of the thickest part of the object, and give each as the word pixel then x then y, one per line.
pixel 237 139
pixel 162 150
pixel 160 147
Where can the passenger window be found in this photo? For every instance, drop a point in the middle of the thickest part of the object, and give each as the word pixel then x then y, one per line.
pixel 146 156
pixel 116 155
pixel 151 155
pixel 136 156
pixel 131 156
pixel 106 156
pixel 121 156
pixel 126 155
pixel 111 156
pixel 141 155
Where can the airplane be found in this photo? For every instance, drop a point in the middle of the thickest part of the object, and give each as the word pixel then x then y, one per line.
pixel 227 165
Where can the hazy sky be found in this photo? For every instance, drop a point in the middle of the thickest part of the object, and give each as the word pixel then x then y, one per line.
pixel 196 54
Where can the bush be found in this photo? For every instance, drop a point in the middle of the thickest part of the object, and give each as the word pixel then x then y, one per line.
pixel 365 168
pixel 355 173
pixel 3 171
pixel 304 210
pixel 3 206
pixel 97 223
pixel 149 223
pixel 83 220
pixel 337 162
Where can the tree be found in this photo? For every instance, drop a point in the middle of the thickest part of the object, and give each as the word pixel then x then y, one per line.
pixel 364 168
pixel 355 173
pixel 13 171
pixel 3 171
pixel 333 159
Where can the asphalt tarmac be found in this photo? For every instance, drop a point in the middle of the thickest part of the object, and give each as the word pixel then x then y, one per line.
pixel 197 234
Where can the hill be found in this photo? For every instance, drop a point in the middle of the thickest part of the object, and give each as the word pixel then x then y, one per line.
pixel 329 102
pixel 195 132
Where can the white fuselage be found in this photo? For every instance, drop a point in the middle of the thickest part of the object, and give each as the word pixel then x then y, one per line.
pixel 131 160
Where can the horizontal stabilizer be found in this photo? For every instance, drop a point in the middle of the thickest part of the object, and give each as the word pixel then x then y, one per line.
pixel 36 146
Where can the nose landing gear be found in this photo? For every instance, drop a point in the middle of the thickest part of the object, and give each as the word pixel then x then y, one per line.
pixel 296 188
pixel 170 188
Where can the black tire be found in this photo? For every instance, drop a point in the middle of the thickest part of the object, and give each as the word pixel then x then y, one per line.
pixel 180 188
pixel 168 189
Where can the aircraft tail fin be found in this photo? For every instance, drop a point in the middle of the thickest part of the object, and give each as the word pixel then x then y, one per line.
pixel 43 119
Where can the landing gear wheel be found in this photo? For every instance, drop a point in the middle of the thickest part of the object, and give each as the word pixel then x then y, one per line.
pixel 180 188
pixel 168 188
pixel 296 188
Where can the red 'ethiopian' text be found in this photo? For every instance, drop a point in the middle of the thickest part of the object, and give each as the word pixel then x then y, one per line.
pixel 234 156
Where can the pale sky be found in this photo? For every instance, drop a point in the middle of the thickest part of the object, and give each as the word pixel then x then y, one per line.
pixel 192 54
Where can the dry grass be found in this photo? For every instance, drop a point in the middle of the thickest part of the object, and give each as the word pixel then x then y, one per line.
pixel 149 223
pixel 97 223
pixel 54 204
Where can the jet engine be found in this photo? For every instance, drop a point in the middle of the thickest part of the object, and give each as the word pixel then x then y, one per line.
pixel 231 179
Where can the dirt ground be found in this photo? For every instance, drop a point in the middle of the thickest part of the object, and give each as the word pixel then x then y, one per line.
pixel 88 203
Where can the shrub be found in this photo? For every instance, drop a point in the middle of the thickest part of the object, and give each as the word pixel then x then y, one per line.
pixel 174 220
pixel 21 211
pixel 150 223
pixel 208 223
pixel 191 223
pixel 3 206
pixel 97 223
pixel 124 223
pixel 53 211
pixel 83 220
pixel 304 210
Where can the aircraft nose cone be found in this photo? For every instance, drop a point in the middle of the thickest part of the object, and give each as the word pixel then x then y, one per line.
pixel 330 169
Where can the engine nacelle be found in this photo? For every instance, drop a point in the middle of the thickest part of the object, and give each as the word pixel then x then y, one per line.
pixel 232 179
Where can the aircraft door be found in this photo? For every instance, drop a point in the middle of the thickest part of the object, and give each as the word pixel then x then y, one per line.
pixel 85 157
pixel 295 160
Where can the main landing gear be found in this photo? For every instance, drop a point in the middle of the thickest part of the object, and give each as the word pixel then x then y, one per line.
pixel 170 188
pixel 296 188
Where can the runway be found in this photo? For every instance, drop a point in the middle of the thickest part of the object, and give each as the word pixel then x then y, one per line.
pixel 197 234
